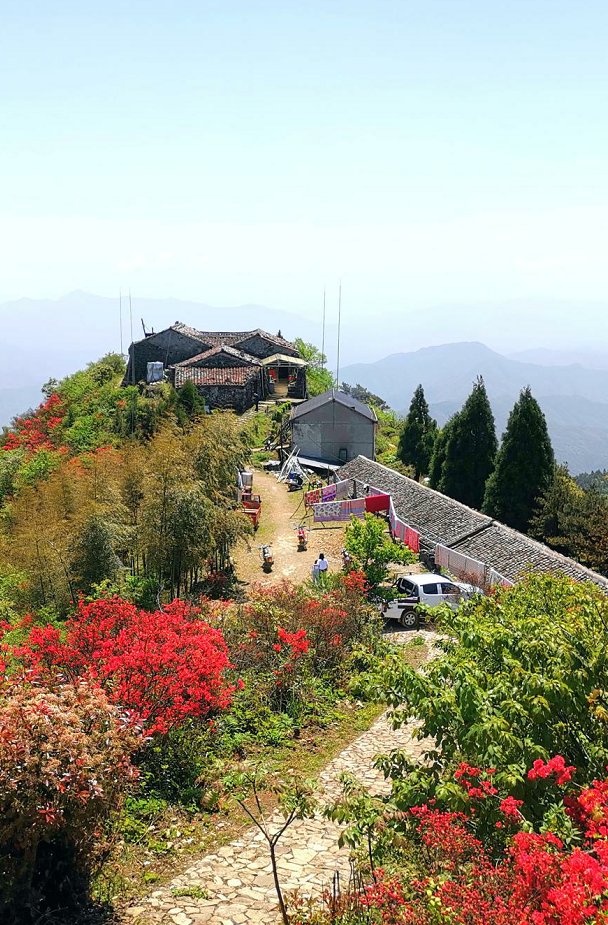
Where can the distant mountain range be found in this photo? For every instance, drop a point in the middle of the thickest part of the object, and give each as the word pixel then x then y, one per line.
pixel 574 398
pixel 51 338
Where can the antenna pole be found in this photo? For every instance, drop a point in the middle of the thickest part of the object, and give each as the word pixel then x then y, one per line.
pixel 120 320
pixel 323 338
pixel 339 319
pixel 131 323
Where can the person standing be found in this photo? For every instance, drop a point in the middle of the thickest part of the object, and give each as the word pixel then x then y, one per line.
pixel 320 568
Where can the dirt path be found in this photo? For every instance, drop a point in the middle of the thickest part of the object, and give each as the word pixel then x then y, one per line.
pixel 282 511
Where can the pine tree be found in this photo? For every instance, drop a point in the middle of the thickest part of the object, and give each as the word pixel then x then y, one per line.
pixel 525 465
pixel 470 451
pixel 418 435
pixel 438 455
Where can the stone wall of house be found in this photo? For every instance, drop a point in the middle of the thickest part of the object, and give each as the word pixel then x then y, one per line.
pixel 236 397
pixel 167 347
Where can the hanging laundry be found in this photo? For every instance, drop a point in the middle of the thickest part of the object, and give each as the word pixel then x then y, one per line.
pixel 338 510
pixel 495 578
pixel 328 493
pixel 392 515
pixel 475 571
pixel 376 503
pixel 343 489
pixel 441 556
pixel 457 563
pixel 356 507
pixel 312 497
pixel 412 539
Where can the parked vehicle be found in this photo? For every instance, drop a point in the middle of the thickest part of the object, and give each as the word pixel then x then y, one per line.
pixel 266 557
pixel 429 589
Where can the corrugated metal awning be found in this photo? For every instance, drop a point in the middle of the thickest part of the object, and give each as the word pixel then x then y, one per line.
pixel 283 358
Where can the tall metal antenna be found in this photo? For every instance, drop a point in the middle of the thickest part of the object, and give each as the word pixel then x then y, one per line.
pixel 323 339
pixel 120 320
pixel 339 318
pixel 132 348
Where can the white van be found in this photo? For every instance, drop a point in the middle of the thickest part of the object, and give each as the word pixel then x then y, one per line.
pixel 428 588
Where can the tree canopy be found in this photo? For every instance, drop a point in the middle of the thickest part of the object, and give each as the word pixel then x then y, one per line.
pixel 318 378
pixel 418 435
pixel 525 465
pixel 470 449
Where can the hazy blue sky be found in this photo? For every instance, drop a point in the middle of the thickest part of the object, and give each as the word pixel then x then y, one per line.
pixel 426 152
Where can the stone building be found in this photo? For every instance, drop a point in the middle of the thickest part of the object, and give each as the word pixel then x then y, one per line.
pixel 227 368
pixel 333 428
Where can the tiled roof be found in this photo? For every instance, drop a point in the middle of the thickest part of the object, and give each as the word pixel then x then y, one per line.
pixel 225 338
pixel 512 553
pixel 334 395
pixel 221 348
pixel 273 338
pixel 233 375
pixel 440 519
pixel 436 517
pixel 189 332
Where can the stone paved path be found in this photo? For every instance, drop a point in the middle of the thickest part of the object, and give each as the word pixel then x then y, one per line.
pixel 237 879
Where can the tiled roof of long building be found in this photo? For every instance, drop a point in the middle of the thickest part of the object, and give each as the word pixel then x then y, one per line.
pixel 230 375
pixel 221 348
pixel 442 520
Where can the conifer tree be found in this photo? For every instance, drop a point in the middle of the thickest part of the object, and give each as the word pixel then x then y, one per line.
pixel 418 435
pixel 470 451
pixel 438 455
pixel 525 465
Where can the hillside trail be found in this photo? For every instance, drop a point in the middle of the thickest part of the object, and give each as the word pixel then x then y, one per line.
pixel 234 885
pixel 282 511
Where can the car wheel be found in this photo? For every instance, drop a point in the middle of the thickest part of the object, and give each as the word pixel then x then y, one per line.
pixel 409 619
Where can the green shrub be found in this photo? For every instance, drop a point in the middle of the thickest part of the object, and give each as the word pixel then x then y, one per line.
pixel 523 676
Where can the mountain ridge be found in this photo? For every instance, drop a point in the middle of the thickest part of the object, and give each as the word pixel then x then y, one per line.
pixel 574 398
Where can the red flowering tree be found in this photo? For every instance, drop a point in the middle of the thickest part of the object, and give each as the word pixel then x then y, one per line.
pixel 65 768
pixel 39 430
pixel 164 667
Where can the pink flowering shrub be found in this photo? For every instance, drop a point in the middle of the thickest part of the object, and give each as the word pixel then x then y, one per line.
pixel 65 768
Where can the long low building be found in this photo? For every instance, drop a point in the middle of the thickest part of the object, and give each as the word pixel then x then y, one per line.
pixel 441 520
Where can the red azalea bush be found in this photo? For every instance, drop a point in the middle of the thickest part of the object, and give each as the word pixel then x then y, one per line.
pixel 38 430
pixel 163 667
pixel 521 877
pixel 333 620
pixel 64 769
